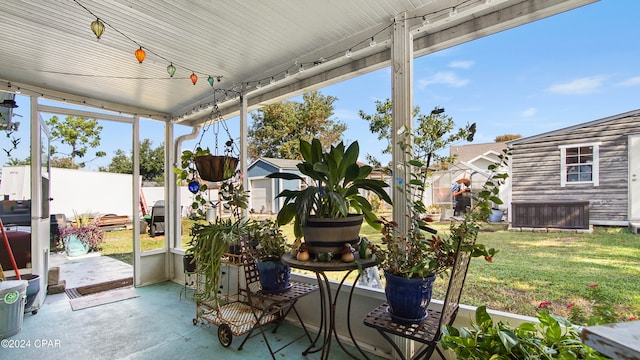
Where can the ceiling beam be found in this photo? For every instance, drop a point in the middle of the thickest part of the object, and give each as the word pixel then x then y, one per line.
pixel 55 95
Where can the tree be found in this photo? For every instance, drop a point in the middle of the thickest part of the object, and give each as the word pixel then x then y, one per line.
pixel 433 132
pixel 380 123
pixel 507 137
pixel 277 128
pixel 77 132
pixel 18 162
pixel 151 162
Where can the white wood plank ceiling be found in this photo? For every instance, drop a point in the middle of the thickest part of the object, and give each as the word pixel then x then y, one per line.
pixel 48 49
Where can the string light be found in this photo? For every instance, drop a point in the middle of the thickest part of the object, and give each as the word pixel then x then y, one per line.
pixel 140 55
pixel 171 70
pixel 97 27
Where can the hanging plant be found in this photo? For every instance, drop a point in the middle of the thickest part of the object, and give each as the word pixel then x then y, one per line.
pixel 200 165
pixel 216 167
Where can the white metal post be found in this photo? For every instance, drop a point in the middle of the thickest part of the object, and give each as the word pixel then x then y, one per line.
pixel 402 114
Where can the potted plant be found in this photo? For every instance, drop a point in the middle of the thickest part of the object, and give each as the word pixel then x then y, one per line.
pixel 269 244
pixel 329 211
pixel 211 240
pixel 82 236
pixel 432 213
pixel 413 258
pixel 553 337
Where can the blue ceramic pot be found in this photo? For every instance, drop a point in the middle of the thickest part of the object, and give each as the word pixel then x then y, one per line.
pixel 274 276
pixel 408 299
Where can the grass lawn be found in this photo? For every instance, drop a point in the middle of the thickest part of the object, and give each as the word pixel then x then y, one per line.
pixel 529 268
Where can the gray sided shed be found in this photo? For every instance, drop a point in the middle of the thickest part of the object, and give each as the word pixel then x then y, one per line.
pixel 262 190
pixel 545 196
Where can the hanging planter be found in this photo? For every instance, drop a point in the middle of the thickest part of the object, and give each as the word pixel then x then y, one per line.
pixel 216 167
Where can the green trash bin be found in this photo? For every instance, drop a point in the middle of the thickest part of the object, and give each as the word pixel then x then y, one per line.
pixel 13 296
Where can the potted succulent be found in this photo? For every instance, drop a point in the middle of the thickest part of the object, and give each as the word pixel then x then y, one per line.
pixel 413 258
pixel 82 236
pixel 329 211
pixel 269 245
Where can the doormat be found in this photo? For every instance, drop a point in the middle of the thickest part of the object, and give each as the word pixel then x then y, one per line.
pixel 101 298
pixel 77 292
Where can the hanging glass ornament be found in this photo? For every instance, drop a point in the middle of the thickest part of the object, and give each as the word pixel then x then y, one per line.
pixel 194 186
pixel 97 27
pixel 140 55
pixel 171 69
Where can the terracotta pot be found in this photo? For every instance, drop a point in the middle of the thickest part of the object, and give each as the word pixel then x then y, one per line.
pixel 324 235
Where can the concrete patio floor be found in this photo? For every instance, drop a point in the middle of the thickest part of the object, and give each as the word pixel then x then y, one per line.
pixel 155 325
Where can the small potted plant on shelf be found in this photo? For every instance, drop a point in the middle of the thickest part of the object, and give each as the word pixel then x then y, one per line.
pixel 412 259
pixel 329 211
pixel 268 244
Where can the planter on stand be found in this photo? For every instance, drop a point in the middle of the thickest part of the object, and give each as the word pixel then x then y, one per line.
pixel 274 276
pixel 408 299
pixel 328 235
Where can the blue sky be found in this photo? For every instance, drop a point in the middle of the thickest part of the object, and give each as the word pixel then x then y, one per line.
pixel 571 68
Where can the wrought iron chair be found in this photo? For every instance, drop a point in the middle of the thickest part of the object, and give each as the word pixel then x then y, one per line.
pixel 429 331
pixel 265 306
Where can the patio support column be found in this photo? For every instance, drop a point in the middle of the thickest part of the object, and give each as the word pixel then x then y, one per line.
pixel 402 113
pixel 402 120
pixel 135 155
pixel 244 130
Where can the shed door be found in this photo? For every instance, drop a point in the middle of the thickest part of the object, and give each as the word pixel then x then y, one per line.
pixel 261 198
pixel 634 177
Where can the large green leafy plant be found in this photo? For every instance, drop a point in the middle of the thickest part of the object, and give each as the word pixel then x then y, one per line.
pixel 334 191
pixel 553 337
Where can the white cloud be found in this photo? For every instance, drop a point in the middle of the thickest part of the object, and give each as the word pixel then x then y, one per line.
pixel 584 85
pixel 633 81
pixel 443 77
pixel 529 112
pixel 462 64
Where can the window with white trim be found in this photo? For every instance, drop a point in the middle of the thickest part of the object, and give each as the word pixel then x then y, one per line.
pixel 579 164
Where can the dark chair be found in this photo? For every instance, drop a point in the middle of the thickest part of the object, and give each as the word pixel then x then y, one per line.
pixel 264 306
pixel 156 225
pixel 429 331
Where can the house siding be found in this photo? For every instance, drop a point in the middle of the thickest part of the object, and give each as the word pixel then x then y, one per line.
pixel 536 169
pixel 261 169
